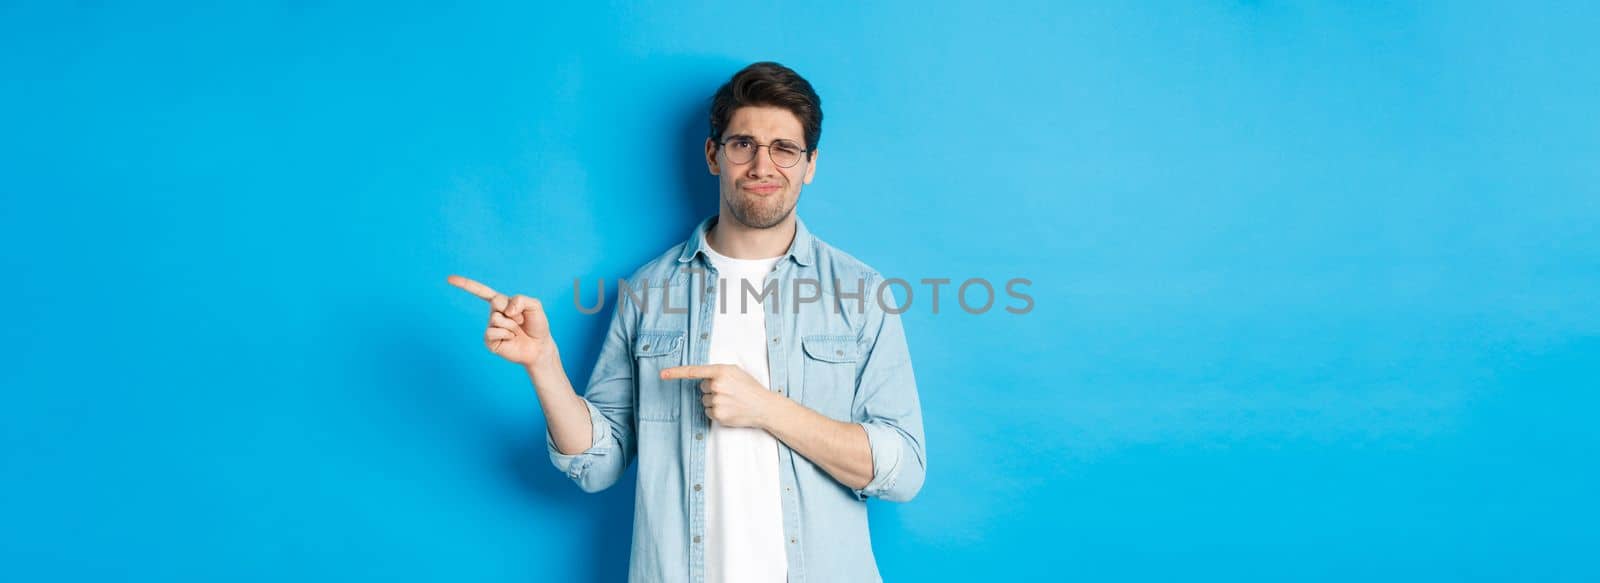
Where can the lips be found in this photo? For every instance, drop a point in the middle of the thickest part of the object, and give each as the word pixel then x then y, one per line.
pixel 762 188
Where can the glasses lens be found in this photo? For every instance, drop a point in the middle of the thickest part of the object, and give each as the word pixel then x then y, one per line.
pixel 785 153
pixel 740 151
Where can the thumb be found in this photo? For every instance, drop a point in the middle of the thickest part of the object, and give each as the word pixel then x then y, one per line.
pixel 534 323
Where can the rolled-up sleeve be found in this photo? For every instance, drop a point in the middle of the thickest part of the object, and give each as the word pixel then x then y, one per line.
pixel 886 401
pixel 577 466
pixel 609 398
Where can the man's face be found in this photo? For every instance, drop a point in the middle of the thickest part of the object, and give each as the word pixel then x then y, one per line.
pixel 759 193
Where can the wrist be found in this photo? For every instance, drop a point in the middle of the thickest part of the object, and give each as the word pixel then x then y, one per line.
pixel 546 370
pixel 771 413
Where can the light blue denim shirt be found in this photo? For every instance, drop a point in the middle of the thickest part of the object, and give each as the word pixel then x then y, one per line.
pixel 843 355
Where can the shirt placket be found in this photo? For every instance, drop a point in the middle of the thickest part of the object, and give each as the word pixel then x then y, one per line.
pixel 699 424
pixel 778 324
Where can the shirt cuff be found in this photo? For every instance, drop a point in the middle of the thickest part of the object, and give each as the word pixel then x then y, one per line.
pixel 575 465
pixel 886 453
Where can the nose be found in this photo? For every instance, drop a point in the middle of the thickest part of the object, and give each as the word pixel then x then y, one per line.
pixel 761 164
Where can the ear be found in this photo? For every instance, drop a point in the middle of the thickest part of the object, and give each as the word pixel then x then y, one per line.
pixel 711 157
pixel 811 166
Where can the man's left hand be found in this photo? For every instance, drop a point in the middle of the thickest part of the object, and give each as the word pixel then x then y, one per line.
pixel 729 394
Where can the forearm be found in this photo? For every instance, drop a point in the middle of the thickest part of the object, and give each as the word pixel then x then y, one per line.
pixel 841 449
pixel 564 411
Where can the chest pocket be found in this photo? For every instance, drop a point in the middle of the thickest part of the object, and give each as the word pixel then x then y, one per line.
pixel 654 351
pixel 830 375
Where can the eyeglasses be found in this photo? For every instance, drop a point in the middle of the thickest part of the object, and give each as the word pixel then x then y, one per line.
pixel 784 153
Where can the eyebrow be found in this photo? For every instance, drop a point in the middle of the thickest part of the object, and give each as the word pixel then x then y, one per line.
pixel 753 139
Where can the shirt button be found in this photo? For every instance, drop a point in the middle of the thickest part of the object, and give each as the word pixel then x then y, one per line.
pixel 699 436
pixel 791 541
pixel 697 538
pixel 774 339
pixel 645 347
pixel 705 335
pixel 697 487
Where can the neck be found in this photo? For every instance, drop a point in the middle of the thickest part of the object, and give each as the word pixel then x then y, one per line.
pixel 733 239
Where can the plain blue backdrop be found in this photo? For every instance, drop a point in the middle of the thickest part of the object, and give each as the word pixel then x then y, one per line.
pixel 1315 283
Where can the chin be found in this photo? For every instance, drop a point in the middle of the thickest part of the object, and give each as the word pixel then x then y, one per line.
pixel 760 218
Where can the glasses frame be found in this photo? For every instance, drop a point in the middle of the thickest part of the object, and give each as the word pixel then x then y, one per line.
pixel 804 153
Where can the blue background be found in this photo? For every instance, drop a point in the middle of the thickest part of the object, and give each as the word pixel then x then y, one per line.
pixel 1315 283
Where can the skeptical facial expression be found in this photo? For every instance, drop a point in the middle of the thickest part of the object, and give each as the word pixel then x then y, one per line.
pixel 757 190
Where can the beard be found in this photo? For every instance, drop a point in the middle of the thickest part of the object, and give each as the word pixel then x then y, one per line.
pixel 759 212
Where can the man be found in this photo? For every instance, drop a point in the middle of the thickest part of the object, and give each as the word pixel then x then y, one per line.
pixel 762 416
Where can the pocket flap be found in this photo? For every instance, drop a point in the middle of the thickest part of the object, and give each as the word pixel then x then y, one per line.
pixel 657 342
pixel 831 348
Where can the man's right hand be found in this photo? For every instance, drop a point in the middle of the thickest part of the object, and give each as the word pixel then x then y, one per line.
pixel 518 329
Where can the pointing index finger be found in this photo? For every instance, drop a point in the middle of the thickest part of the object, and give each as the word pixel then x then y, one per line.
pixel 473 287
pixel 689 372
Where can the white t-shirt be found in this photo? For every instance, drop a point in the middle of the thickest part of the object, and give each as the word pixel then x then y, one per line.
pixel 744 511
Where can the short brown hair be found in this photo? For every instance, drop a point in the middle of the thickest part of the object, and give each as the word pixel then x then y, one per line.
pixel 770 84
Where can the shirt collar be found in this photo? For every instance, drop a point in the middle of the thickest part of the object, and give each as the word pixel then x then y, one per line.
pixel 799 249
